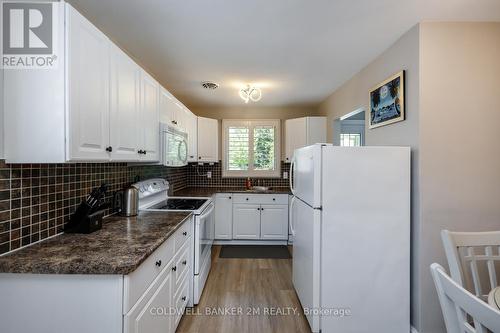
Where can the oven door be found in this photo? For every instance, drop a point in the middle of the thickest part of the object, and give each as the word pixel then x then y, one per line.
pixel 204 237
pixel 174 147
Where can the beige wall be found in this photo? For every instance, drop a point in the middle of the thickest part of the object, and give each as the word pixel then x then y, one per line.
pixel 404 54
pixel 453 112
pixel 459 140
pixel 256 112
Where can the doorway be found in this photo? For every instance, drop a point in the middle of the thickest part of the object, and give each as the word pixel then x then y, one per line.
pixel 349 130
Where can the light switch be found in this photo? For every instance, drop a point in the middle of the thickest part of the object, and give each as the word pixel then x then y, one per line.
pixel 209 174
pixel 285 175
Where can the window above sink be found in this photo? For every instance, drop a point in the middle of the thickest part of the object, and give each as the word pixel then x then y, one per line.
pixel 251 148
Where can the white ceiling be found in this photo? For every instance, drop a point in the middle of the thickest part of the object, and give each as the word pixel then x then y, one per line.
pixel 298 51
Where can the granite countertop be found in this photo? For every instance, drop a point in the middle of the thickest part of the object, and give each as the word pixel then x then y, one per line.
pixel 209 191
pixel 119 247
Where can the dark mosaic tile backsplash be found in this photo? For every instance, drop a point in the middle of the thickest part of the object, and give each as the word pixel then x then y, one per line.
pixel 197 177
pixel 37 199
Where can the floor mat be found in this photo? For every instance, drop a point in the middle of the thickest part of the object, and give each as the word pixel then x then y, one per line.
pixel 255 252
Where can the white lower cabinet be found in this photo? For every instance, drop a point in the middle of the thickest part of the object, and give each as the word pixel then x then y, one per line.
pixel 254 216
pixel 246 221
pixel 152 315
pixel 274 222
pixel 161 305
pixel 223 216
pixel 151 299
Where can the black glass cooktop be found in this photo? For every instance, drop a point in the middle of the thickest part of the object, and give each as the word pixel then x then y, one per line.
pixel 181 204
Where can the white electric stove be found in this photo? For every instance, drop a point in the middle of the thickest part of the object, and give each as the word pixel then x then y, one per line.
pixel 153 196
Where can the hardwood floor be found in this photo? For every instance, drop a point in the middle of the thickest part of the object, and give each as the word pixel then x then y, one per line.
pixel 256 295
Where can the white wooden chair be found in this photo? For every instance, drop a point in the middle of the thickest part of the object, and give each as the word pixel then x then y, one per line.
pixel 471 256
pixel 461 308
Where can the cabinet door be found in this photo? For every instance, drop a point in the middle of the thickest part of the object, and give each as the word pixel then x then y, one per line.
pixel 167 107
pixel 151 317
pixel 149 133
pixel 88 89
pixel 316 130
pixel 295 136
pixel 208 140
pixel 223 216
pixel 192 131
pixel 274 222
pixel 180 116
pixel 246 221
pixel 124 112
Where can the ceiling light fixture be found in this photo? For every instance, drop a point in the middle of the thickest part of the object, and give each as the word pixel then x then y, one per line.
pixel 250 93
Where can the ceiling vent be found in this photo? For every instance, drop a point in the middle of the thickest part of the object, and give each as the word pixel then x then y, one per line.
pixel 209 85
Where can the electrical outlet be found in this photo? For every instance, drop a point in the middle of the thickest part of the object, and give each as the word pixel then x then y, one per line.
pixel 209 174
pixel 285 175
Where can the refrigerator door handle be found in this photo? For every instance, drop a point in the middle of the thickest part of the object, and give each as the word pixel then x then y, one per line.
pixel 290 178
pixel 291 216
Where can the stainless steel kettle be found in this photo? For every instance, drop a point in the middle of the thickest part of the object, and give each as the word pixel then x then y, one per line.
pixel 126 202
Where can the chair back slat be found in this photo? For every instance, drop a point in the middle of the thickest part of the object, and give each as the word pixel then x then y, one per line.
pixel 458 305
pixel 491 267
pixel 474 271
pixel 463 251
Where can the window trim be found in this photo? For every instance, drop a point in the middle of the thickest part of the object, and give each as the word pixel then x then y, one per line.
pixel 252 123
pixel 349 138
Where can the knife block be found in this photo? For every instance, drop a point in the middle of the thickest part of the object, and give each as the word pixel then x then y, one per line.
pixel 85 224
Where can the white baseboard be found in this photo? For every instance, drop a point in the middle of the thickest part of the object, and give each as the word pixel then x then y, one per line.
pixel 250 242
pixel 413 330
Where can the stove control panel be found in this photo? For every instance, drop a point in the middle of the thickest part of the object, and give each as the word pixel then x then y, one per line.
pixel 152 187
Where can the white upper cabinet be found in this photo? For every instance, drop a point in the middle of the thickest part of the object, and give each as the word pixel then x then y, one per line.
pixel 179 116
pixel 208 140
pixel 149 140
pixel 191 122
pixel 302 132
pixel 172 112
pixel 167 107
pixel 34 106
pixel 125 107
pixel 97 105
pixel 88 89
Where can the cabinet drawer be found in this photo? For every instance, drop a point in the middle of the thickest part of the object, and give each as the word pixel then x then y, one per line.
pixel 136 283
pixel 159 297
pixel 182 264
pixel 183 234
pixel 265 199
pixel 181 299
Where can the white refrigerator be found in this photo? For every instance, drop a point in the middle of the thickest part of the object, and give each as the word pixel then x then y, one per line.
pixel 350 220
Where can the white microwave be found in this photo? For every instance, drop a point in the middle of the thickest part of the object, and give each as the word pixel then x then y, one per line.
pixel 173 146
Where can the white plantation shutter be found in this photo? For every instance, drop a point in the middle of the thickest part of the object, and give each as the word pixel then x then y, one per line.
pixel 238 148
pixel 251 148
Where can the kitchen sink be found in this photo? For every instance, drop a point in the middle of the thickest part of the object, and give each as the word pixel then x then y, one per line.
pixel 260 188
